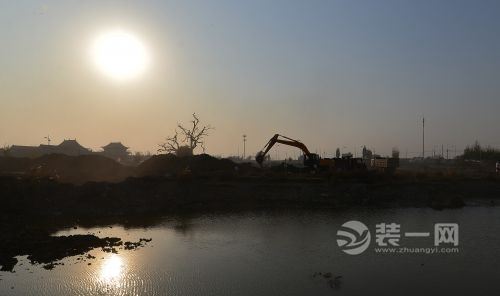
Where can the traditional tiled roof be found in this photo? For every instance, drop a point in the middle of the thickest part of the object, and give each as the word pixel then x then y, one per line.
pixel 115 145
pixel 71 144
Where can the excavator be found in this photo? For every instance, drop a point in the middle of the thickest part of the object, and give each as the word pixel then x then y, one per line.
pixel 311 160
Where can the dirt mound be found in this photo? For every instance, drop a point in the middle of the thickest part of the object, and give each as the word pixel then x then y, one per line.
pixel 64 168
pixel 169 164
pixel 81 169
pixel 13 165
pixel 86 168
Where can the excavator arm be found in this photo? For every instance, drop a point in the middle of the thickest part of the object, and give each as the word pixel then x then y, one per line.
pixel 283 140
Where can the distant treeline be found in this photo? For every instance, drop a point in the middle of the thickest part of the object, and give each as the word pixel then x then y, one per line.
pixel 477 152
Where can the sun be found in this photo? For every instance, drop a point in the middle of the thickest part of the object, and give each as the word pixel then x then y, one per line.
pixel 120 55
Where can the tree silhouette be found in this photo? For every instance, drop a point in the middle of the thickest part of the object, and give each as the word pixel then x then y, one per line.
pixel 189 138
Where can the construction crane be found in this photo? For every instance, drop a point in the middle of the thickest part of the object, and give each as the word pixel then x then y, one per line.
pixel 311 160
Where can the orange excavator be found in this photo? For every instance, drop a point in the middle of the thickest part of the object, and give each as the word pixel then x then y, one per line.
pixel 311 160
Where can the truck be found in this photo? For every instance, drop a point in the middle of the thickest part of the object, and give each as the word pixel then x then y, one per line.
pixel 384 164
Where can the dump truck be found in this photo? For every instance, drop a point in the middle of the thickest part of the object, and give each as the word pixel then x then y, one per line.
pixel 384 164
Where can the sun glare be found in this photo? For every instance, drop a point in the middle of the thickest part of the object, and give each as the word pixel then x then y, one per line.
pixel 111 270
pixel 120 55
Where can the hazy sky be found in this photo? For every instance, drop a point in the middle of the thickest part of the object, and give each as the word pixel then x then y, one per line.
pixel 330 73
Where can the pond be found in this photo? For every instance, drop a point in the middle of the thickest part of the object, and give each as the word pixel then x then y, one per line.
pixel 278 253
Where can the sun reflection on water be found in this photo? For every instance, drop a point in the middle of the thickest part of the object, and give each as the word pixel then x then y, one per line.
pixel 112 269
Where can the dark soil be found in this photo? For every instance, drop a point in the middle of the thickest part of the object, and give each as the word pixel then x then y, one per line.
pixel 96 168
pixel 169 165
pixel 66 169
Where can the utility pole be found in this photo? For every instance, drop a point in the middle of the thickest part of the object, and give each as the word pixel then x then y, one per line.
pixel 423 137
pixel 244 145
pixel 442 151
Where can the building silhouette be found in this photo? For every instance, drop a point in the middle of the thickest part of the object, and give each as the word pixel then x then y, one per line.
pixel 114 150
pixel 67 147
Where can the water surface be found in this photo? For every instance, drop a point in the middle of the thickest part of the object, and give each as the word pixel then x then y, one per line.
pixel 277 253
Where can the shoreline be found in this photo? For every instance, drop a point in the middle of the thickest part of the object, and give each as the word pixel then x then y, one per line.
pixel 46 197
pixel 32 210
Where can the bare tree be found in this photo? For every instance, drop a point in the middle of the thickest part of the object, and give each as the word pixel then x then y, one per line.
pixel 171 144
pixel 189 137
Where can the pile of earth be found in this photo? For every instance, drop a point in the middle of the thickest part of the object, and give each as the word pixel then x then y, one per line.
pixel 67 169
pixel 169 164
pixel 14 165
pixel 96 168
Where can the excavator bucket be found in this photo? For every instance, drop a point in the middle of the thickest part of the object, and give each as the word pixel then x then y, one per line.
pixel 259 157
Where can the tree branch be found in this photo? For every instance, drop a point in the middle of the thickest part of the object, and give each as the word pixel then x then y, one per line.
pixel 193 136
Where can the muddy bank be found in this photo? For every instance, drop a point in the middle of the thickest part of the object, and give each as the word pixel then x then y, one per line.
pixel 172 194
pixel 32 237
pixel 45 249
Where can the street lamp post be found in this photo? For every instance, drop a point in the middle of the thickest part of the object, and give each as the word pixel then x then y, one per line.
pixel 244 145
